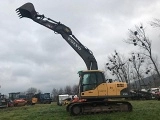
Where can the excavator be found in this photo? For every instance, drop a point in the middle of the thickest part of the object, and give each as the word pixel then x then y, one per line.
pixel 95 93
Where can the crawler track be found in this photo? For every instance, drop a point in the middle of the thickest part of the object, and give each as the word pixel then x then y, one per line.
pixel 79 108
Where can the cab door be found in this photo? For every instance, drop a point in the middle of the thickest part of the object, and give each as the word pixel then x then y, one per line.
pixel 89 85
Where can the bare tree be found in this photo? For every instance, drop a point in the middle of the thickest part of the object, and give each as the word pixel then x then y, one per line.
pixel 39 91
pixel 32 90
pixel 138 38
pixel 75 89
pixel 137 62
pixel 60 91
pixel 68 90
pixel 54 94
pixel 133 79
pixel 155 23
pixel 118 67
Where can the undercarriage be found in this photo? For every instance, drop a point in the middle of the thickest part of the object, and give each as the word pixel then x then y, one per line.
pixel 78 108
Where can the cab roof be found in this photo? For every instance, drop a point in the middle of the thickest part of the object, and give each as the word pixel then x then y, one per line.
pixel 85 71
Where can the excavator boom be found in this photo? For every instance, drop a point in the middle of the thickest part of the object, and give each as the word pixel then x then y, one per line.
pixel 28 10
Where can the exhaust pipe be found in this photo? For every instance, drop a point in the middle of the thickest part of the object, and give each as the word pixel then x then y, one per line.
pixel 27 10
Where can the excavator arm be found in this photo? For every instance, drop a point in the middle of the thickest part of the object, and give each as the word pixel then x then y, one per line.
pixel 28 10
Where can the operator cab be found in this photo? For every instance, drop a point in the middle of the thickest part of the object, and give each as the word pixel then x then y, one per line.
pixel 90 79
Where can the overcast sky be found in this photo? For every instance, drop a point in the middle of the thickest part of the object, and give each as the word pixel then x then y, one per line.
pixel 33 56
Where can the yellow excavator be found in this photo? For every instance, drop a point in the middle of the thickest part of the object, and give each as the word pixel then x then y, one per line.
pixel 94 92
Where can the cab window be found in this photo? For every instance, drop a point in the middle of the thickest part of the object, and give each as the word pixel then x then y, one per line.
pixel 88 82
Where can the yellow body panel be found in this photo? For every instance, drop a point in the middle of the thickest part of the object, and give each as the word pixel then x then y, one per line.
pixel 34 100
pixel 106 89
pixel 102 89
pixel 93 92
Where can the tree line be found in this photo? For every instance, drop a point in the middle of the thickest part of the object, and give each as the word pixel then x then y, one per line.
pixel 71 90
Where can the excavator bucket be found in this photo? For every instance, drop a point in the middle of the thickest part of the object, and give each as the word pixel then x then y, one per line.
pixel 26 10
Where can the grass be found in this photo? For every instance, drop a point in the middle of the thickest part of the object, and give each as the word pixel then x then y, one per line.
pixel 142 110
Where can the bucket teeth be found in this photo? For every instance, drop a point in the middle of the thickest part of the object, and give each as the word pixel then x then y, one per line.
pixel 17 11
pixel 19 14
